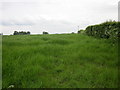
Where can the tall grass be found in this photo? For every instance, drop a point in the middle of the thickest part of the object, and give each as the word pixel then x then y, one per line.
pixel 59 61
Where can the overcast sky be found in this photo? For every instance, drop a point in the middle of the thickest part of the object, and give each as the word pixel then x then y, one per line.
pixel 54 16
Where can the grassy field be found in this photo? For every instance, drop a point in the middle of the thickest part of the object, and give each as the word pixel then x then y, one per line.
pixel 59 61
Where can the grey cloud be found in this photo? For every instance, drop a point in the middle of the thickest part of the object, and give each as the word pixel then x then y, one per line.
pixel 56 14
pixel 106 7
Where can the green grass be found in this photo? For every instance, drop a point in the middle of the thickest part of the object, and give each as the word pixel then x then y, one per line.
pixel 59 61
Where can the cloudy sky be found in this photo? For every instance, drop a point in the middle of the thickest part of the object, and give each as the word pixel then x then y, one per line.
pixel 54 16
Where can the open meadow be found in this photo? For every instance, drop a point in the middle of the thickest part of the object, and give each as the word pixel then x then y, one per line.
pixel 59 61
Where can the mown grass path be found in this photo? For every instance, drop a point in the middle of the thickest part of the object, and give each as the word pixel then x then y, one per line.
pixel 64 61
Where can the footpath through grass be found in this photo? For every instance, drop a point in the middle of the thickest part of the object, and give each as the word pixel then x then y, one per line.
pixel 59 61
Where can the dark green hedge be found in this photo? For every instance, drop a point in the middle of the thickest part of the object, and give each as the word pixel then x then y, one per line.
pixel 109 29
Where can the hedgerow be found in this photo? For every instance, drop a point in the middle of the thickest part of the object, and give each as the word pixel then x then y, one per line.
pixel 108 29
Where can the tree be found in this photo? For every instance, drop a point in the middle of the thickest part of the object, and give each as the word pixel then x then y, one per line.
pixel 28 32
pixel 45 32
pixel 15 33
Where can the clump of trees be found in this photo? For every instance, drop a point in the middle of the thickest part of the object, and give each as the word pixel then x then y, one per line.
pixel 108 29
pixel 21 33
pixel 45 32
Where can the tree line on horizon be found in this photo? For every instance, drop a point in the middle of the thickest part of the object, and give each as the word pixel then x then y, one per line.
pixel 25 33
pixel 21 33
